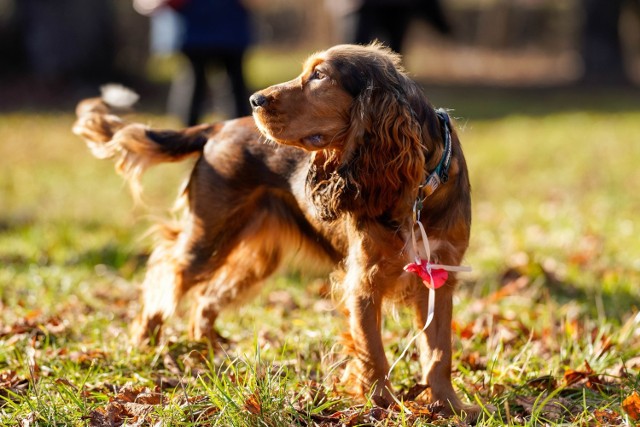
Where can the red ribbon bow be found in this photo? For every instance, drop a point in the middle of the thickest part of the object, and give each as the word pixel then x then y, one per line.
pixel 431 277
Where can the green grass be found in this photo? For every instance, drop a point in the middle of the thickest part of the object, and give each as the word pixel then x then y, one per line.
pixel 555 287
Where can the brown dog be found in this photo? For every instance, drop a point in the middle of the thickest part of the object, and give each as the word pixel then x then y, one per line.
pixel 358 148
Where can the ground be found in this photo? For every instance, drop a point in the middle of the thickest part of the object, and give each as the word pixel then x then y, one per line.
pixel 547 327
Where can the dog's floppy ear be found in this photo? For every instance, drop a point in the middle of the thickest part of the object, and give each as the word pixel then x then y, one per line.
pixel 388 157
pixel 384 153
pixel 381 162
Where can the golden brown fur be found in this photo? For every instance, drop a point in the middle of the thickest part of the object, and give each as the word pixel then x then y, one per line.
pixel 355 139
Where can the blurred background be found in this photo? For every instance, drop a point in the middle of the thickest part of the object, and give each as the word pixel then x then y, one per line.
pixel 53 53
pixel 546 99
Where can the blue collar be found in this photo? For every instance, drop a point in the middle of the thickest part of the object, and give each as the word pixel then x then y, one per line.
pixel 440 174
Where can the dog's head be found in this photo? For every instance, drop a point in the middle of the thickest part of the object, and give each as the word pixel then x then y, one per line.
pixel 372 124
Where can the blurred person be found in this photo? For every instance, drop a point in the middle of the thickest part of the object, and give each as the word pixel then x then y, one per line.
pixel 602 46
pixel 388 20
pixel 210 33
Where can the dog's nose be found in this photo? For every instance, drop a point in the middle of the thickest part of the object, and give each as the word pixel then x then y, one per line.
pixel 258 100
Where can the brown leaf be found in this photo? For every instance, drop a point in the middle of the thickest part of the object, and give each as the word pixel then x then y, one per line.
pixel 498 389
pixel 150 398
pixel 253 404
pixel 607 417
pixel 87 357
pixel 11 384
pixel 631 406
pixel 171 364
pixel 32 325
pixel 113 415
pixel 586 378
pixel 377 414
pixel 128 393
pixel 132 404
pixel 545 382
pixel 9 379
pixel 553 409
pixel 420 409
pixel 572 377
pixel 138 411
pixel 474 361
pixel 415 391
pixel 164 382
pixel 513 282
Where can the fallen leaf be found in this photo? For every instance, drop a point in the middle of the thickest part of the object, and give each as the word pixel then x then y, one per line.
pixel 631 406
pixel 164 382
pixel 573 376
pixel 420 409
pixel 10 385
pixel 171 364
pixel 150 398
pixel 252 403
pixel 474 361
pixel 587 378
pixel 87 357
pixel 553 409
pixel 543 383
pixel 513 282
pixel 414 392
pixel 133 405
pixel 33 325
pixel 607 417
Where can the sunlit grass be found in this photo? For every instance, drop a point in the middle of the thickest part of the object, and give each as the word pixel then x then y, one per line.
pixel 554 250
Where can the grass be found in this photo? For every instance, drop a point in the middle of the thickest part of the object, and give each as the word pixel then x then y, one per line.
pixel 546 326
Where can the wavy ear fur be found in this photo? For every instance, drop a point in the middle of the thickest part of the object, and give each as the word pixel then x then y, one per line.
pixel 382 162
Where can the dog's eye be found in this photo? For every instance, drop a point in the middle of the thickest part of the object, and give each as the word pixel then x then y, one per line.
pixel 317 75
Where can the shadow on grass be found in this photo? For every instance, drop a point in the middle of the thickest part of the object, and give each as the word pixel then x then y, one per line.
pixel 111 255
pixel 540 285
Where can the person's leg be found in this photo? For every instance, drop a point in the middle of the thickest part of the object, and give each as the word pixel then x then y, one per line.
pixel 189 89
pixel 233 62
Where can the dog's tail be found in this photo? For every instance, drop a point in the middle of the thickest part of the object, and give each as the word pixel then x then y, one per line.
pixel 134 146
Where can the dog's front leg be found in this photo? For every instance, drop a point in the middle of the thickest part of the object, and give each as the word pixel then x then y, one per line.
pixel 436 352
pixel 370 363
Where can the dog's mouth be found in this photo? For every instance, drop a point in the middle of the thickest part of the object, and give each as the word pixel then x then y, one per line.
pixel 278 134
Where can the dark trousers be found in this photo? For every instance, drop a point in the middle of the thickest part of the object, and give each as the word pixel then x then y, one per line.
pixel 190 92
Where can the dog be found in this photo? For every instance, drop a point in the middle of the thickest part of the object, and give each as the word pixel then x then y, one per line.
pixel 343 163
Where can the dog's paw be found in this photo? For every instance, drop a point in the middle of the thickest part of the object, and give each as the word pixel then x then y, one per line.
pixel 146 331
pixel 447 404
pixel 468 413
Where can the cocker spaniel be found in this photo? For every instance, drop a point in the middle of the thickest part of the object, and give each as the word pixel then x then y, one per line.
pixel 363 169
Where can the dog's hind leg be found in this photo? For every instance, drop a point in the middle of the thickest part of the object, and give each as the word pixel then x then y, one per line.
pixel 257 255
pixel 234 283
pixel 183 259
pixel 171 271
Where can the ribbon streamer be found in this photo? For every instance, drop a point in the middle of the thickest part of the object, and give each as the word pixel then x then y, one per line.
pixel 426 271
